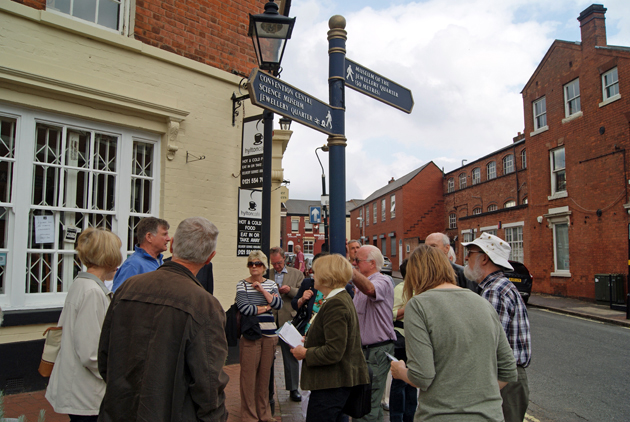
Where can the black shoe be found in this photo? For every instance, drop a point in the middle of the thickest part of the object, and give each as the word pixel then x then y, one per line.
pixel 295 395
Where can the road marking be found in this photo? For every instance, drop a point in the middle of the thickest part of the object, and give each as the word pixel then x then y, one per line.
pixel 572 316
pixel 531 418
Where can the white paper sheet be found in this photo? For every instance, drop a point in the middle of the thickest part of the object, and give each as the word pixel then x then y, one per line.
pixel 290 335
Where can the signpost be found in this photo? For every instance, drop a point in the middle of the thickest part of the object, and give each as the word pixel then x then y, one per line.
pixel 277 96
pixel 376 86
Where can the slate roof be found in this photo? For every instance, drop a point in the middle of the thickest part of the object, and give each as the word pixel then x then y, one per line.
pixel 301 206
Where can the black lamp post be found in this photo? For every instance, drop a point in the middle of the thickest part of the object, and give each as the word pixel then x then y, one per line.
pixel 285 124
pixel 325 247
pixel 269 31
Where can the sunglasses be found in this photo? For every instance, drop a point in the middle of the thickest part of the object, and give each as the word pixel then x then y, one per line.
pixel 255 264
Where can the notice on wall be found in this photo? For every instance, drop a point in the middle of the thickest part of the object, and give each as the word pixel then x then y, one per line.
pixel 44 228
pixel 252 153
pixel 249 221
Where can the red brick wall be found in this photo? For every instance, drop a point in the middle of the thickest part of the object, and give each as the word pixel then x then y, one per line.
pixel 35 4
pixel 596 168
pixel 208 31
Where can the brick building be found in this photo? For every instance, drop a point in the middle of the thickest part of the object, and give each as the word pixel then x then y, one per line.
pixel 577 111
pixel 105 108
pixel 489 195
pixel 397 217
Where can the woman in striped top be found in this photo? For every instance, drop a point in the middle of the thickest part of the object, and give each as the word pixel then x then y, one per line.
pixel 257 295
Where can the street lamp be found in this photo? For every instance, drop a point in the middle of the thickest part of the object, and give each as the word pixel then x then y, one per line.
pixel 269 32
pixel 361 228
pixel 325 247
pixel 285 123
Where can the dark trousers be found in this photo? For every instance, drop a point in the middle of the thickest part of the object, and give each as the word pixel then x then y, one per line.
pixel 516 397
pixel 403 400
pixel 327 405
pixel 81 418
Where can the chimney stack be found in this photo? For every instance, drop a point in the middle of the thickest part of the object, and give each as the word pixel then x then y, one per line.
pixel 593 26
pixel 391 181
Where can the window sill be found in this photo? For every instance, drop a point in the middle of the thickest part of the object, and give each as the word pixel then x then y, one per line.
pixel 539 130
pixel 561 273
pixel 572 117
pixel 558 195
pixel 610 100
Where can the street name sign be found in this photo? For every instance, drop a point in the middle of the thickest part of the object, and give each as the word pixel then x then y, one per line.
pixel 378 87
pixel 273 94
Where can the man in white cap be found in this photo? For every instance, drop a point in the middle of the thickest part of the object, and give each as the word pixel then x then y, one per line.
pixel 487 257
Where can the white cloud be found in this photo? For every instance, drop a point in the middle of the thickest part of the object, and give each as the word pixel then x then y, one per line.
pixel 464 61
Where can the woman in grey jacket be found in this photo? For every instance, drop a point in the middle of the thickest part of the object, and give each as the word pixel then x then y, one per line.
pixel 76 388
pixel 333 360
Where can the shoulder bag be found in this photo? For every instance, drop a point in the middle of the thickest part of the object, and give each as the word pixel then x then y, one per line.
pixel 52 344
pixel 359 402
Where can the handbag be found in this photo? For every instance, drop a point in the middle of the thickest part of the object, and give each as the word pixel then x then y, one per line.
pixel 232 325
pixel 52 344
pixel 300 321
pixel 359 402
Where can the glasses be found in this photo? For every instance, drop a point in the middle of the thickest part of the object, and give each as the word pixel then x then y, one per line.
pixel 471 252
pixel 277 263
pixel 255 264
pixel 357 260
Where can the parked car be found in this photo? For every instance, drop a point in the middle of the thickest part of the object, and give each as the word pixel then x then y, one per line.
pixel 289 259
pixel 387 266
pixel 521 278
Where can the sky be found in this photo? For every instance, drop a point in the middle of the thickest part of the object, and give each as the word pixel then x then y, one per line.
pixel 465 61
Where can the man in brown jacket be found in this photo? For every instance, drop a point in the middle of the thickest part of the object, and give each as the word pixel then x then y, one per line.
pixel 163 346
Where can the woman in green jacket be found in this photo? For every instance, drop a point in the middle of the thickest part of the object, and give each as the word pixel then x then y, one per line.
pixel 333 360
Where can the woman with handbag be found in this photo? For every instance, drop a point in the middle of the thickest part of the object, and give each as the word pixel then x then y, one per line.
pixel 256 296
pixel 333 362
pixel 76 387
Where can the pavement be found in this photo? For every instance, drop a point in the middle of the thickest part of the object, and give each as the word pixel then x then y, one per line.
pixel 29 404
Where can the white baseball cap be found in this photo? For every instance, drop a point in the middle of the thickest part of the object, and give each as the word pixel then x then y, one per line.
pixel 496 248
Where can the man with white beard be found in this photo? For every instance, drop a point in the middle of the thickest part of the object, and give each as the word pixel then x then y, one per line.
pixel 487 257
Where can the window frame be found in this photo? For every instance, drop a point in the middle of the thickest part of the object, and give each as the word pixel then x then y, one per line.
pixel 508 164
pixel 509 204
pixel 383 209
pixel 124 16
pixel 524 158
pixel 392 206
pixel 450 185
pixel 514 238
pixel 540 114
pixel 295 221
pixel 476 211
pixel 452 221
pixel 476 176
pixel 118 216
pixel 491 174
pixel 555 172
pixel 463 180
pixel 605 95
pixel 375 212
pixel 572 101
pixel 494 207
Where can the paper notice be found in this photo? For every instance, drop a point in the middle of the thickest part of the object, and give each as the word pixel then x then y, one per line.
pixel 290 335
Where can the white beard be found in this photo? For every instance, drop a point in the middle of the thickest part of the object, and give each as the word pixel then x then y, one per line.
pixel 475 275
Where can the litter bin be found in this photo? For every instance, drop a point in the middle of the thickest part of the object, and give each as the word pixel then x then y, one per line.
pixel 602 288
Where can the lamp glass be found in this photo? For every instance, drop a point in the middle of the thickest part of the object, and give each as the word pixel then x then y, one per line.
pixel 269 32
pixel 285 124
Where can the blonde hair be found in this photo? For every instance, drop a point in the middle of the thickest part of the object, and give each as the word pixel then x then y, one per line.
pixel 99 247
pixel 427 268
pixel 258 256
pixel 332 271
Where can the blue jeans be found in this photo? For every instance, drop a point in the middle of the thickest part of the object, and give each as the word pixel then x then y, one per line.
pixel 403 400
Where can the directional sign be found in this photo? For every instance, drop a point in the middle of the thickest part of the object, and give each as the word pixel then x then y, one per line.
pixel 273 94
pixel 316 214
pixel 376 86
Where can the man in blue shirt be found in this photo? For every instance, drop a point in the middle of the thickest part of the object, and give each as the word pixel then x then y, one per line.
pixel 153 238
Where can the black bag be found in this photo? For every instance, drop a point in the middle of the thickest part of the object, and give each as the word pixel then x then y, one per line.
pixel 300 321
pixel 359 402
pixel 232 325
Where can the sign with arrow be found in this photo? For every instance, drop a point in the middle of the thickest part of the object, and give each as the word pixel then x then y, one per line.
pixel 376 86
pixel 315 214
pixel 273 94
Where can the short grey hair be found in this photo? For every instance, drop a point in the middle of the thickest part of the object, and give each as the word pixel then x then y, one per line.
pixel 354 241
pixel 277 250
pixel 195 239
pixel 374 254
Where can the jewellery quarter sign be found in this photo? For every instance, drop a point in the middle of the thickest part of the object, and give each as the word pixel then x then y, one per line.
pixel 273 94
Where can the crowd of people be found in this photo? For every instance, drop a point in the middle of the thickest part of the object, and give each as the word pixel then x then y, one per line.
pixel 454 339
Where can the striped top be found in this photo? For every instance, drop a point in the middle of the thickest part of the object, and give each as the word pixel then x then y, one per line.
pixel 248 298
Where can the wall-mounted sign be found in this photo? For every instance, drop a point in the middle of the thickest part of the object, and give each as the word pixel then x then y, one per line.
pixel 252 153
pixel 249 221
pixel 71 234
pixel 3 259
